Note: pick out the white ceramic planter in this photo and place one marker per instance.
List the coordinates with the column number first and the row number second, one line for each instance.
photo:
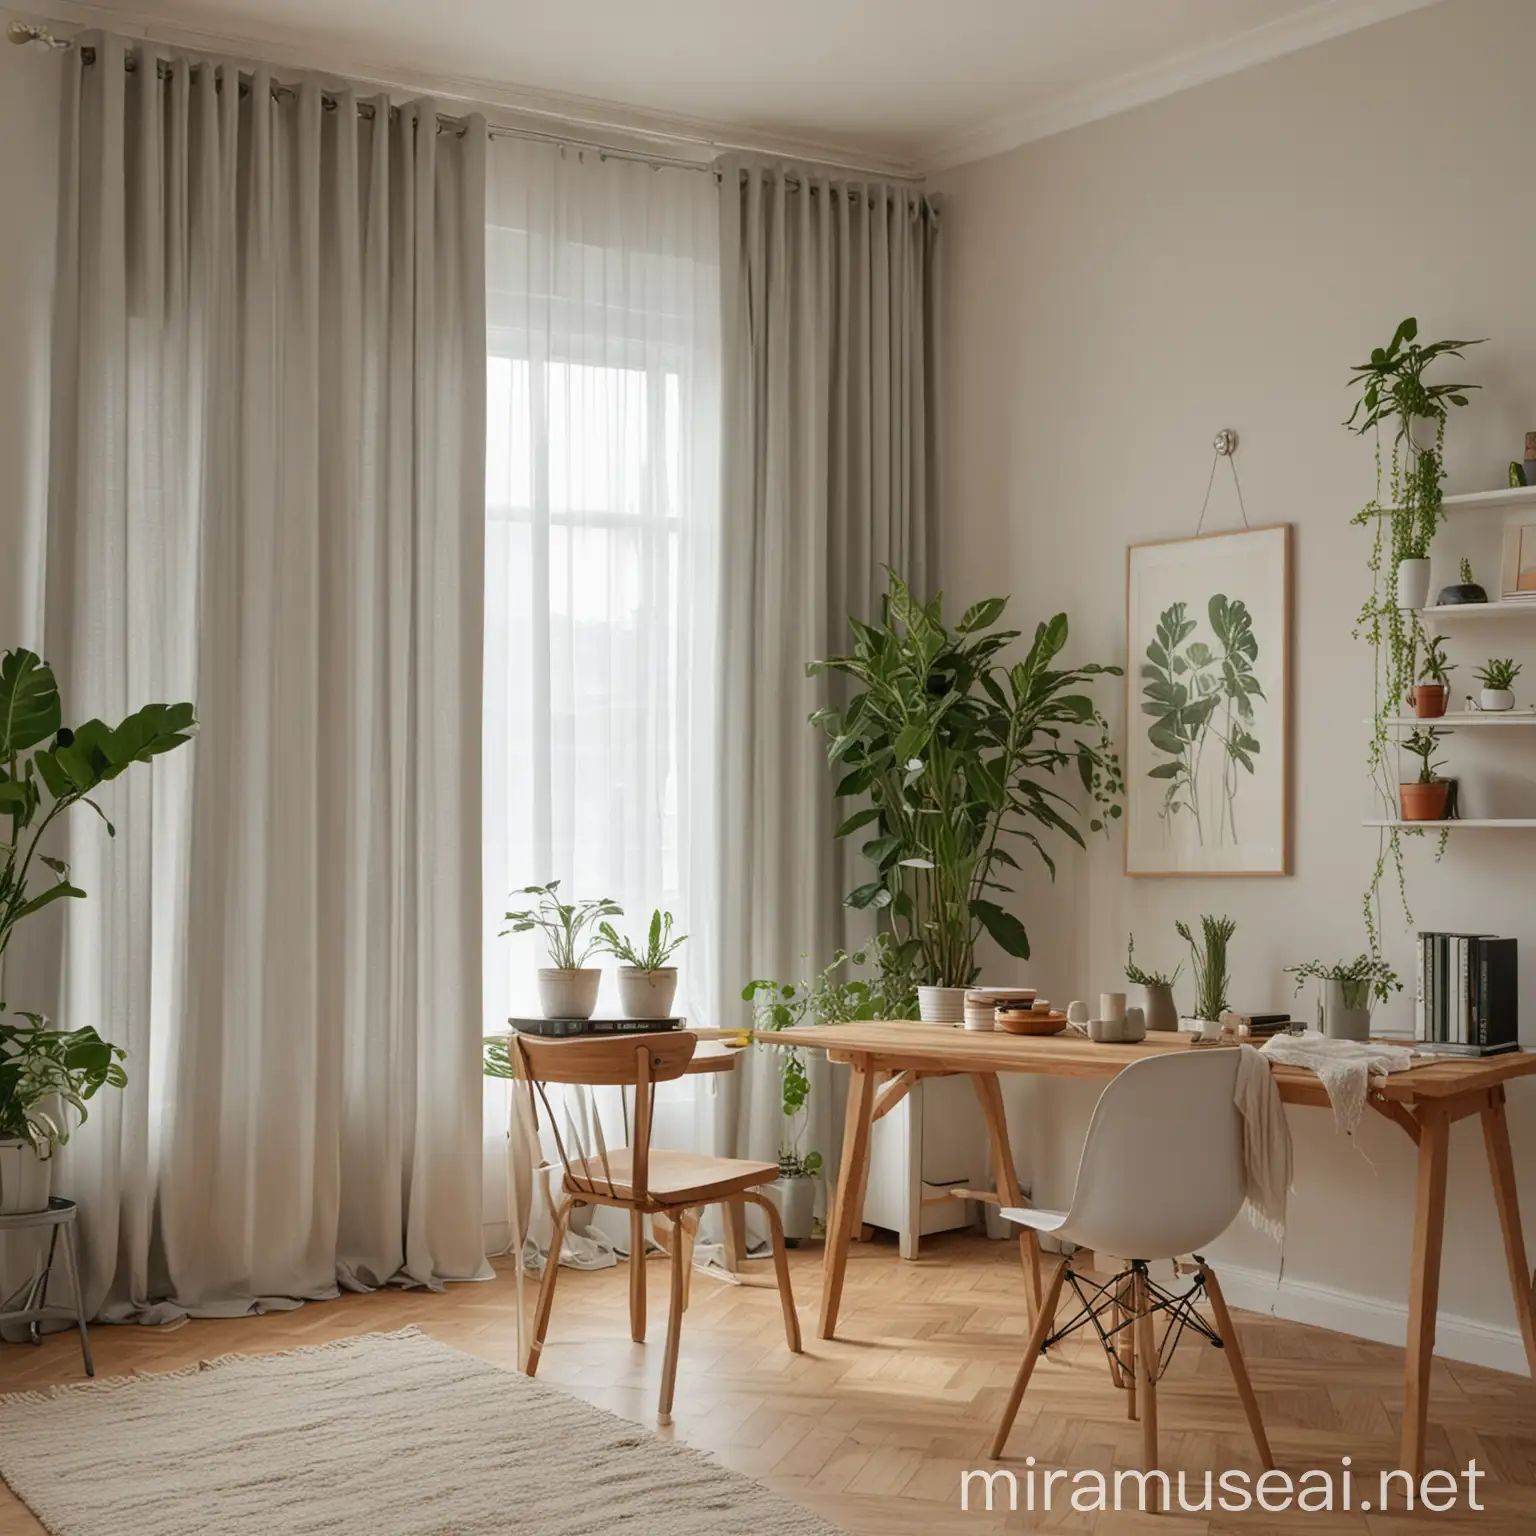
column 1495, row 701
column 26, row 1180
column 941, row 1005
column 647, row 994
column 796, row 1200
column 1412, row 583
column 1207, row 1029
column 569, row 994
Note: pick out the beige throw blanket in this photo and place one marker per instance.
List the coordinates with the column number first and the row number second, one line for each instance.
column 1266, row 1143
column 1345, row 1067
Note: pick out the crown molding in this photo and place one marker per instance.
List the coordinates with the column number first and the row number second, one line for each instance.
column 510, row 104
column 1317, row 24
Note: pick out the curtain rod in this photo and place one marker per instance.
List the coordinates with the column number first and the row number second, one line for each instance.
column 21, row 32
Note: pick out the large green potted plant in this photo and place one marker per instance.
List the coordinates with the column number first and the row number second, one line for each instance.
column 46, row 769
column 955, row 755
column 1405, row 514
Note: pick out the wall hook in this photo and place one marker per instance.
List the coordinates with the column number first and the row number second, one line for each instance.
column 1225, row 443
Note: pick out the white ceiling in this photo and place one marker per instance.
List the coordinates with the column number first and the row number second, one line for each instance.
column 901, row 84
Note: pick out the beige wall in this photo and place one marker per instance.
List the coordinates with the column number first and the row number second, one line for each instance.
column 1118, row 293
column 29, row 134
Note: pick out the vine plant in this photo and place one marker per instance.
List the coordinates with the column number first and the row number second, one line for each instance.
column 1406, row 513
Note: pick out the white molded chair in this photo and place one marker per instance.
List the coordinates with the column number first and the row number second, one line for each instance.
column 1162, row 1175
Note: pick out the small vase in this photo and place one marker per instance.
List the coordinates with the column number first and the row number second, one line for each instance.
column 647, row 994
column 1340, row 1021
column 569, row 994
column 26, row 1180
column 1159, row 1008
column 1429, row 700
column 1412, row 583
column 1425, row 802
column 1495, row 701
column 941, row 1005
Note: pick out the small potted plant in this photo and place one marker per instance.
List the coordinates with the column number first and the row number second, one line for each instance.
column 1497, row 679
column 1430, row 695
column 776, row 1006
column 1348, row 989
column 1428, row 797
column 1464, row 591
column 1156, row 990
column 1208, row 958
column 45, row 1074
column 567, row 986
column 647, row 984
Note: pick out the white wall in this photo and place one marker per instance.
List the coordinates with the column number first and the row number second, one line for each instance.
column 1115, row 295
column 29, row 137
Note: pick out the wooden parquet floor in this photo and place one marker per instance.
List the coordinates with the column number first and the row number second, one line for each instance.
column 873, row 1429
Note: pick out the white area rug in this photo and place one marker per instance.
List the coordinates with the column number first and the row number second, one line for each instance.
column 390, row 1434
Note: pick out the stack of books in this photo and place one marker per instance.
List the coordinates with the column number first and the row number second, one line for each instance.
column 1468, row 994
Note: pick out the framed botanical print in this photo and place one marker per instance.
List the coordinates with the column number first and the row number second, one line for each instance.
column 1207, row 690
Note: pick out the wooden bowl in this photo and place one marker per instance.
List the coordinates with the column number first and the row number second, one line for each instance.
column 1025, row 1021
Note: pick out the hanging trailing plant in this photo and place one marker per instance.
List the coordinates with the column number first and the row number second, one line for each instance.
column 1405, row 513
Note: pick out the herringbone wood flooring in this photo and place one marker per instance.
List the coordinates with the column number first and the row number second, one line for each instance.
column 874, row 1428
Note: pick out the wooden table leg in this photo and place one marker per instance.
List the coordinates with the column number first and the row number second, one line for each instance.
column 1501, row 1165
column 848, row 1198
column 990, row 1093
column 1424, row 1295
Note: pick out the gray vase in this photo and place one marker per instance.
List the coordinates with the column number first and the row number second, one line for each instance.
column 1340, row 1021
column 1159, row 1007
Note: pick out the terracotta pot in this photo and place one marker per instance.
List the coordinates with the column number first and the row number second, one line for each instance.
column 1425, row 802
column 1429, row 700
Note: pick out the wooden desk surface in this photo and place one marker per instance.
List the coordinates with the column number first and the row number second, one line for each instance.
column 907, row 1045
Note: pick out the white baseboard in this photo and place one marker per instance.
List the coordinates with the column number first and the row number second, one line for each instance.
column 1367, row 1317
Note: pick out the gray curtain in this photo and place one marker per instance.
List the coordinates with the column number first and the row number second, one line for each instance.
column 266, row 496
column 829, row 463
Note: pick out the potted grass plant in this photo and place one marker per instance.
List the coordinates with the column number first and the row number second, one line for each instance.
column 567, row 985
column 46, row 770
column 1497, row 680
column 1427, row 797
column 647, row 984
column 952, row 755
column 1156, row 990
column 1208, row 960
column 1349, row 987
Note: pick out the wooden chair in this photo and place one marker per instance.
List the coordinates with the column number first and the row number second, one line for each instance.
column 642, row 1180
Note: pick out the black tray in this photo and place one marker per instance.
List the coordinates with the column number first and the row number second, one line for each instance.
column 563, row 1028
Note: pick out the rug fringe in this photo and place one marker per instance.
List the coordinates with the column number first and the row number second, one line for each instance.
column 109, row 1384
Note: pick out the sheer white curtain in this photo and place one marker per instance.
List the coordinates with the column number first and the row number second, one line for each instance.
column 266, row 496
column 602, row 535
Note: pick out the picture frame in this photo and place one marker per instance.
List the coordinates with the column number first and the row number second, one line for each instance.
column 1518, row 570
column 1208, row 704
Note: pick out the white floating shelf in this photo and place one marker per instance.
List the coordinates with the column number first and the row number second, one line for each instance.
column 1455, row 720
column 1521, row 608
column 1472, row 501
column 1420, row 826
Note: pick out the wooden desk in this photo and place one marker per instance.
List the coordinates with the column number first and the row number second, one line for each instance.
column 1423, row 1102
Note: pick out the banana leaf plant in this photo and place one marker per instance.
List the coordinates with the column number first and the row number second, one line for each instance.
column 955, row 753
column 46, row 769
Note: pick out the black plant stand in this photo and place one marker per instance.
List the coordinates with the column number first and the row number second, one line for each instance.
column 29, row 1304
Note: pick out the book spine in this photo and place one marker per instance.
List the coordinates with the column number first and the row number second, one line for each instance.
column 1461, row 991
column 1484, row 995
column 1418, row 993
